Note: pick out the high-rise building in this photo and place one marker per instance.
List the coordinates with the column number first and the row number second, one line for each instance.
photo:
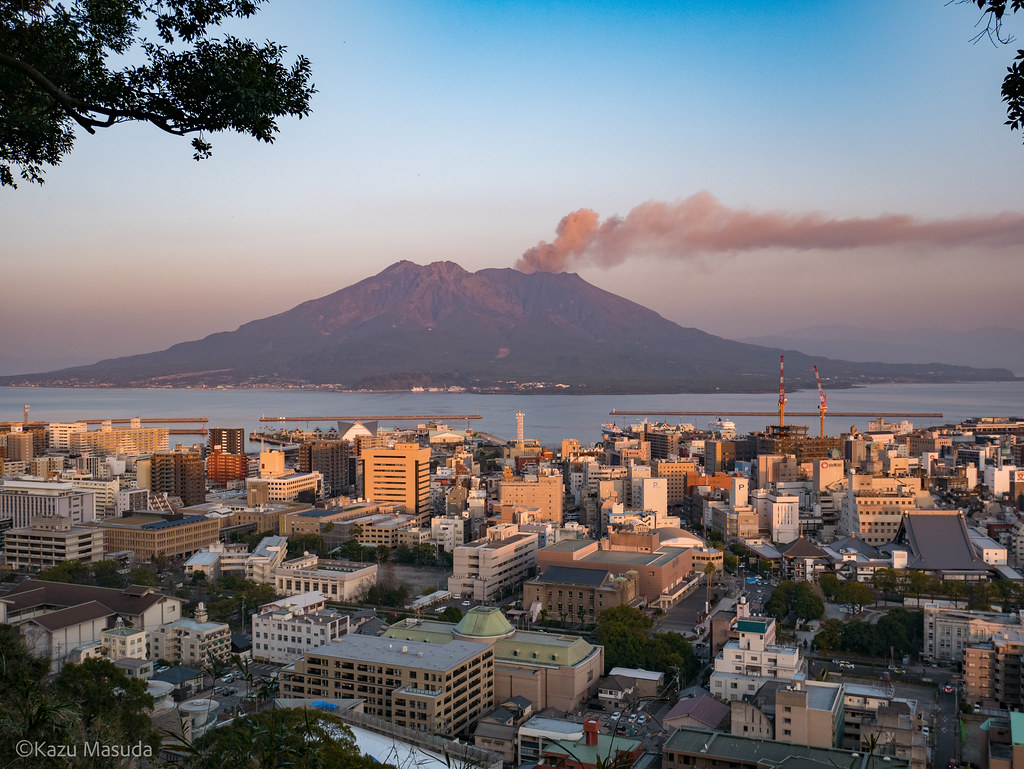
column 230, row 439
column 331, row 460
column 222, row 467
column 179, row 474
column 133, row 441
column 400, row 476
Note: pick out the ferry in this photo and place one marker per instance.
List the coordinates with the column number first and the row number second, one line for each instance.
column 723, row 426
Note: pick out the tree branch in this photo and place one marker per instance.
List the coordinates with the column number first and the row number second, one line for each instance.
column 78, row 109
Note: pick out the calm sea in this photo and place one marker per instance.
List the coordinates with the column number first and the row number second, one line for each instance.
column 549, row 418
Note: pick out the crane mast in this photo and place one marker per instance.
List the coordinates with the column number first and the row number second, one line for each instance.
column 822, row 401
column 782, row 394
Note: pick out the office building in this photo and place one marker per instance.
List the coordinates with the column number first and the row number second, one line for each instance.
column 149, row 536
column 399, row 476
column 22, row 500
column 501, row 561
column 50, row 540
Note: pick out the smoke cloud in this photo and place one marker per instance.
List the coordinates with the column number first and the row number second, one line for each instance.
column 700, row 224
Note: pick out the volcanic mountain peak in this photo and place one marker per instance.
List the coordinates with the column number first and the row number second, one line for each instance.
column 495, row 329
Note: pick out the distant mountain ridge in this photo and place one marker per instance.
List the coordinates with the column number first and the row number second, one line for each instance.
column 983, row 347
column 493, row 330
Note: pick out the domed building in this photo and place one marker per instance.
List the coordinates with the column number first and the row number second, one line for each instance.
column 548, row 669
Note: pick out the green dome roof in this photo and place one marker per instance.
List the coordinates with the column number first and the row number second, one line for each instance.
column 484, row 622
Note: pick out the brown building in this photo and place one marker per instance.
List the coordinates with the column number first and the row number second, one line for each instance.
column 793, row 439
column 223, row 467
column 663, row 573
column 179, row 473
column 230, row 439
column 992, row 671
column 331, row 460
column 579, row 594
column 155, row 535
column 544, row 493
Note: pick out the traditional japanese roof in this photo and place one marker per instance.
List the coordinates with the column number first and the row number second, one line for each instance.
column 939, row 540
column 801, row 548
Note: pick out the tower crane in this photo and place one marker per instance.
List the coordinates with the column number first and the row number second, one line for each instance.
column 782, row 394
column 822, row 401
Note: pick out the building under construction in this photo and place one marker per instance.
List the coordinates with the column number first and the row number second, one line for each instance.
column 793, row 439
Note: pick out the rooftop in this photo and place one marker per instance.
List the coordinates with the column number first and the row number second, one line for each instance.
column 566, row 575
column 416, row 654
column 721, row 746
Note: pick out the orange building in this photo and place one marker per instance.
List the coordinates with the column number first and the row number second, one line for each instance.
column 222, row 467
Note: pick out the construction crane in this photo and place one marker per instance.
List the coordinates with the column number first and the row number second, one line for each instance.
column 822, row 401
column 782, row 394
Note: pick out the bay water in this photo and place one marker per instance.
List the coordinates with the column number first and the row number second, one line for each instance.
column 548, row 418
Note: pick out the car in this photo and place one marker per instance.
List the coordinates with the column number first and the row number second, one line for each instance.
column 948, row 688
column 835, row 662
column 467, row 603
column 846, row 665
column 977, row 708
column 616, row 715
column 642, row 720
column 925, row 730
column 632, row 717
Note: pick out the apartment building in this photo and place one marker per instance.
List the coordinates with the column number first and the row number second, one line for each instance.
column 191, row 641
column 435, row 688
column 286, row 629
column 949, row 632
column 104, row 493
column 331, row 460
column 133, row 441
column 223, row 467
column 810, row 713
column 501, row 561
column 231, row 440
column 58, row 434
column 746, row 663
column 992, row 671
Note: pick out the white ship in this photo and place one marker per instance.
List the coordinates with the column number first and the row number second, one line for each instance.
column 723, row 426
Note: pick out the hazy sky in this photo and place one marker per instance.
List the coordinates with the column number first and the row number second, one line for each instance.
column 748, row 148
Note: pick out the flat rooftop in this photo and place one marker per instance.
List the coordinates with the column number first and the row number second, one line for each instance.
column 388, row 651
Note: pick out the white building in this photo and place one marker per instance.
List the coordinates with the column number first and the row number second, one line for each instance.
column 778, row 515
column 191, row 642
column 485, row 567
column 23, row 499
column 334, row 579
column 745, row 665
column 59, row 434
column 286, row 629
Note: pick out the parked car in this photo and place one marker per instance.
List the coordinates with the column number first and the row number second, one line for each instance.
column 925, row 730
column 616, row 715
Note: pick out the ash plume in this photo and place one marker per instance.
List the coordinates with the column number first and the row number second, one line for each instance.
column 700, row 224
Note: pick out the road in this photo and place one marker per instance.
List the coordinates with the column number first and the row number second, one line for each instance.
column 947, row 729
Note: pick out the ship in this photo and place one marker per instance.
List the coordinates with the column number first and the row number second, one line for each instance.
column 723, row 426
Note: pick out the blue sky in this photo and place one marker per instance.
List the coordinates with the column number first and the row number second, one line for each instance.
column 466, row 131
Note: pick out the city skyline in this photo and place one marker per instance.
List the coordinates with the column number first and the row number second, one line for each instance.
column 468, row 131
